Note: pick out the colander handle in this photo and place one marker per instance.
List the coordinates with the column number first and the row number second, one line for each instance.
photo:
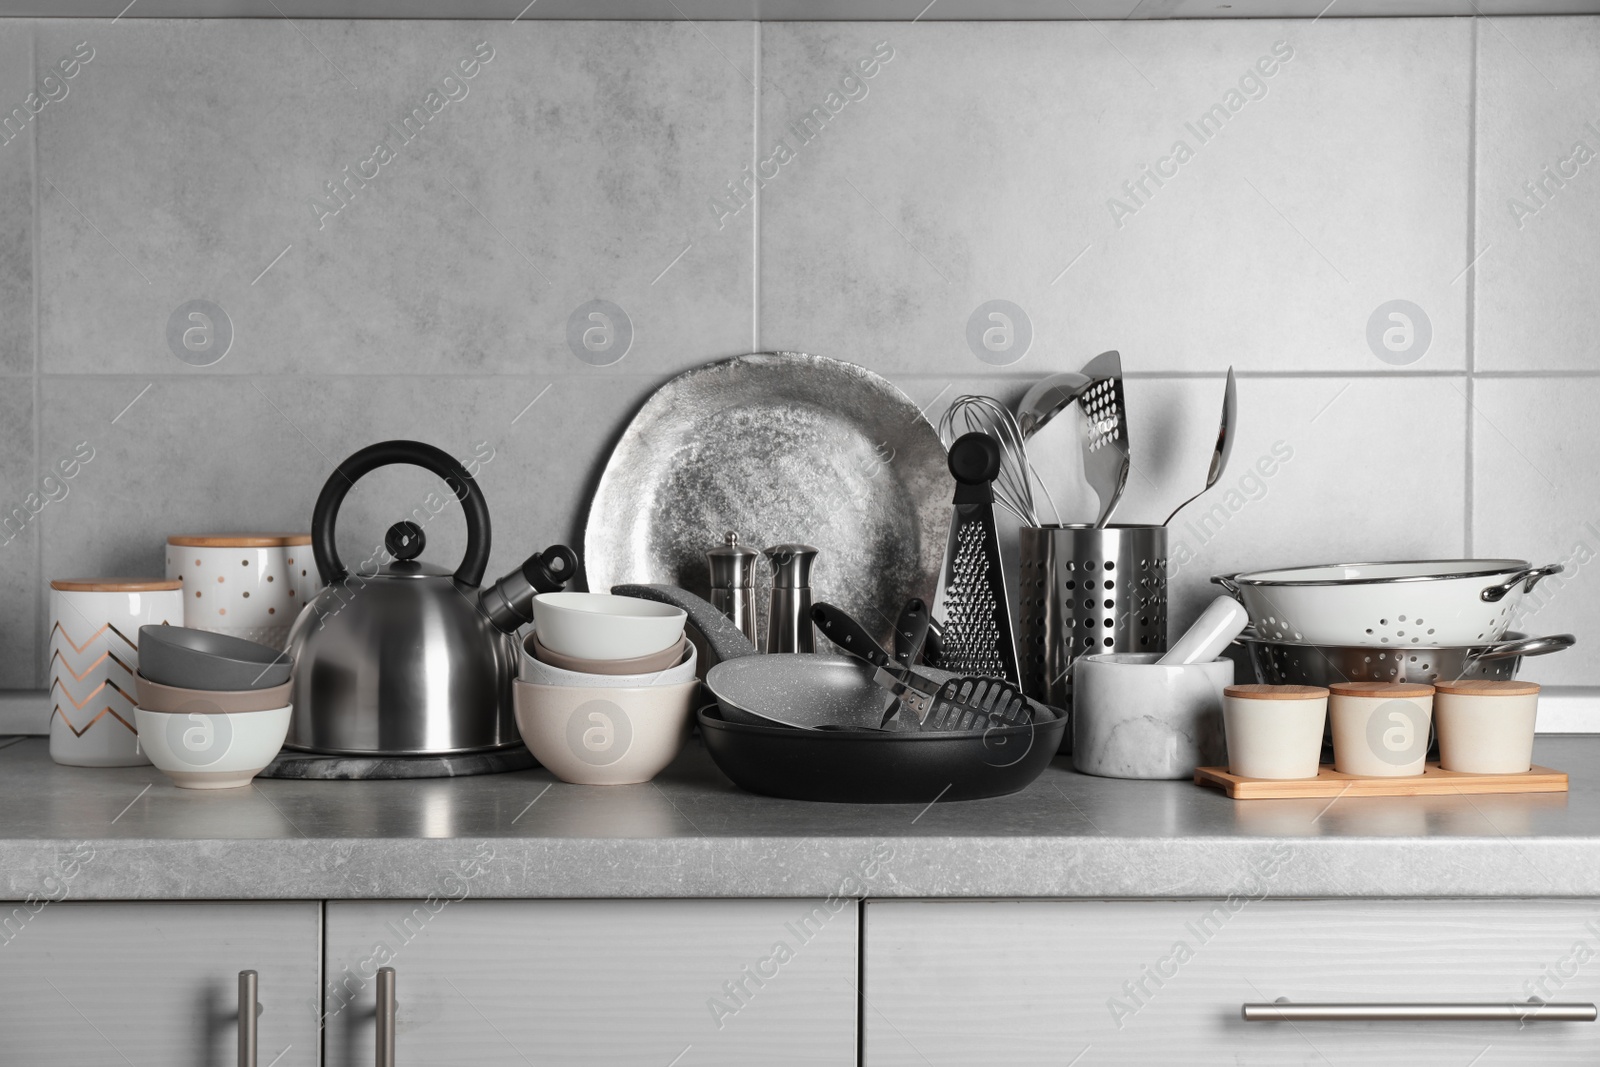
column 1227, row 582
column 1527, row 646
column 1495, row 593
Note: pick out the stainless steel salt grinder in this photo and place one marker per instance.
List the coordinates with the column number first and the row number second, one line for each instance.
column 789, row 615
column 732, row 588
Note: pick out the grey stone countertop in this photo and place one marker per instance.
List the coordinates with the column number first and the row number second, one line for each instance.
column 129, row 834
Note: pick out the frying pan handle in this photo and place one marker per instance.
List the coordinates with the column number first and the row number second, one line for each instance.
column 1227, row 582
column 723, row 638
column 1495, row 593
column 849, row 635
column 1528, row 646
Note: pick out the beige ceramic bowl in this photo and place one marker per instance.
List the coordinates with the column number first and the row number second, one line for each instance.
column 609, row 735
column 203, row 751
column 639, row 665
column 533, row 669
column 153, row 696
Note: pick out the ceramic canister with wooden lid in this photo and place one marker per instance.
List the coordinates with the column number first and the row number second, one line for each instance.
column 1274, row 731
column 94, row 635
column 244, row 585
column 1380, row 729
column 1485, row 727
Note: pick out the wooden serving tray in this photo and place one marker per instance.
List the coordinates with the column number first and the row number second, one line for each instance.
column 1431, row 782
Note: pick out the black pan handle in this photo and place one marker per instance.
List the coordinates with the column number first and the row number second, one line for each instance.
column 849, row 635
column 325, row 517
column 911, row 632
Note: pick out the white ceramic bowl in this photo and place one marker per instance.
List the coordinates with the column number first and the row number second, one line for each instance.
column 536, row 671
column 602, row 626
column 223, row 751
column 605, row 735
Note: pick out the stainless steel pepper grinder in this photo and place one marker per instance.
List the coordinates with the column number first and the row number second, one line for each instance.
column 732, row 588
column 789, row 614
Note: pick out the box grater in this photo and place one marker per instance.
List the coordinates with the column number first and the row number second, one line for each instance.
column 977, row 637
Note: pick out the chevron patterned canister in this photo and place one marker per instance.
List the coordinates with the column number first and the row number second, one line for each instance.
column 94, row 630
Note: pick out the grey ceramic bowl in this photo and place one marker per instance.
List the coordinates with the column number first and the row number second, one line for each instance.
column 198, row 659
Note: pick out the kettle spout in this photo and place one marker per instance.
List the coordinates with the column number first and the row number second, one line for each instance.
column 509, row 602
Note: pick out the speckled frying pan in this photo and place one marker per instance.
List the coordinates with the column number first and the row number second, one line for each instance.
column 848, row 765
column 805, row 690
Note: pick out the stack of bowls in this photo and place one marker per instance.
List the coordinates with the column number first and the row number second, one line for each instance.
column 605, row 687
column 213, row 710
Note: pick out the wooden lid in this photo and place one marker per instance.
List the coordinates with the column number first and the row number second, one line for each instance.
column 1374, row 690
column 1487, row 688
column 115, row 585
column 1275, row 692
column 262, row 540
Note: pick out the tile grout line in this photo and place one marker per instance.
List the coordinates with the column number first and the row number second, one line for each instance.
column 1467, row 495
column 755, row 214
column 40, row 605
column 1575, row 373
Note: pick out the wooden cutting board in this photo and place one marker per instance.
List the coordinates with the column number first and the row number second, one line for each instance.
column 1432, row 782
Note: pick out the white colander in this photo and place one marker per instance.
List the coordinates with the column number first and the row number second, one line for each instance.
column 1425, row 603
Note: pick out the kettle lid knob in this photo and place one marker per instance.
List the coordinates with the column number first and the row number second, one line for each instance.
column 405, row 540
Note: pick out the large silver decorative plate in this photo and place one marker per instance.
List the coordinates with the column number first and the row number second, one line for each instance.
column 779, row 447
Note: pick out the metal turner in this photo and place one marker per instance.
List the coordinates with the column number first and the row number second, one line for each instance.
column 1105, row 440
column 963, row 703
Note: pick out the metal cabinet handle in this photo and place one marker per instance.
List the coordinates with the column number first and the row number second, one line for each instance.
column 249, row 1011
column 386, row 1007
column 1284, row 1010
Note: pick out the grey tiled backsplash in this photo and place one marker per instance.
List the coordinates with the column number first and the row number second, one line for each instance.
column 399, row 221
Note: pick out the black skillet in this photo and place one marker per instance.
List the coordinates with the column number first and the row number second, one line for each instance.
column 856, row 766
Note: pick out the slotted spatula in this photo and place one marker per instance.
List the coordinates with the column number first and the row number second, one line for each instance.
column 1105, row 441
column 961, row 704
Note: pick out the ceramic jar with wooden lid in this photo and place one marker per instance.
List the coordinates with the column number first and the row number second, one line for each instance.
column 1485, row 727
column 94, row 653
column 1380, row 729
column 1274, row 731
column 244, row 585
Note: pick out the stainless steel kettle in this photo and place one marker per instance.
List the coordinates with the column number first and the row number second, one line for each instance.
column 411, row 659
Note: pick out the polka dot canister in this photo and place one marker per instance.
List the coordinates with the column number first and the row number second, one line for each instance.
column 246, row 585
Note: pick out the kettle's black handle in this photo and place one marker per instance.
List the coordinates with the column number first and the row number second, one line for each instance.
column 383, row 454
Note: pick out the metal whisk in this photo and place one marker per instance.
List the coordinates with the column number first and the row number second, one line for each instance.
column 1013, row 488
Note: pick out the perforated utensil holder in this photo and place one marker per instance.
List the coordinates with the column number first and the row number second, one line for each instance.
column 1086, row 591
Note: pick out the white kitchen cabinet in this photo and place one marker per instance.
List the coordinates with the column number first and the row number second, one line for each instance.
column 660, row 982
column 1148, row 982
column 87, row 985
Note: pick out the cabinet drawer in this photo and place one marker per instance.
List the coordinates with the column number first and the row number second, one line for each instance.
column 1144, row 982
column 596, row 982
column 86, row 985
